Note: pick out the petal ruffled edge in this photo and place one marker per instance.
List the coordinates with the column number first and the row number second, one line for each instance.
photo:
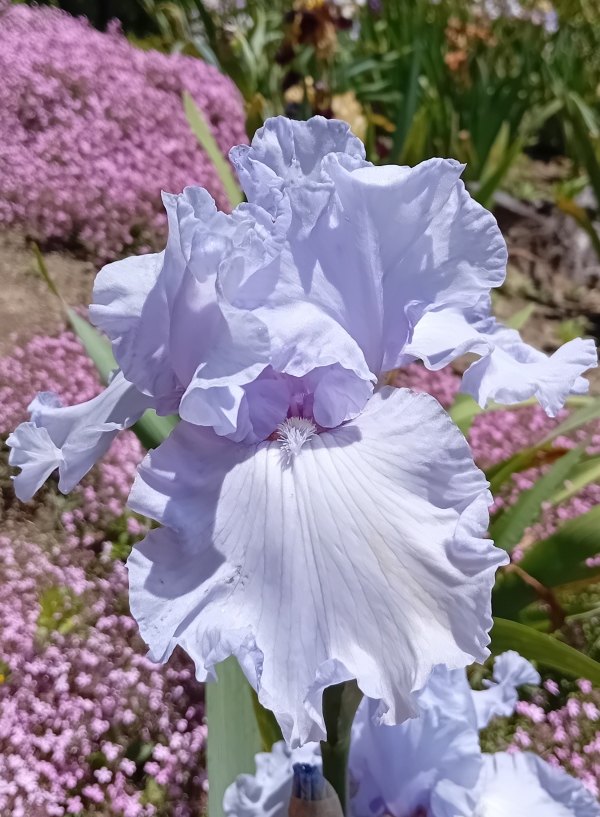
column 509, row 370
column 71, row 438
column 511, row 670
column 285, row 152
column 179, row 598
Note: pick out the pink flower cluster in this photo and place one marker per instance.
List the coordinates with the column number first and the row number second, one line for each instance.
column 60, row 365
column 85, row 720
column 93, row 128
column 87, row 723
column 567, row 735
column 495, row 436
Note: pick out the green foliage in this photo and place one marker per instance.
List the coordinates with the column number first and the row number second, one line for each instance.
column 463, row 411
column 270, row 731
column 203, row 134
column 537, row 454
column 140, row 751
column 434, row 79
column 544, row 649
column 60, row 610
column 234, row 737
column 571, row 328
column 509, row 524
column 520, row 318
column 150, row 429
column 553, row 562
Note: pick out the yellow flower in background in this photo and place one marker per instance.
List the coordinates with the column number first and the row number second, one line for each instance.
column 347, row 108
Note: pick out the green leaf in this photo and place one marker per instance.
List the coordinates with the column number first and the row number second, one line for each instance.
column 98, row 347
column 501, row 472
column 340, row 703
column 44, row 270
column 233, row 735
column 203, row 134
column 270, row 731
column 140, row 751
column 547, row 650
column 497, row 152
column 410, row 101
column 508, row 527
column 463, row 411
column 520, row 318
column 586, row 472
column 558, row 560
column 584, row 123
column 151, row 429
column 59, row 608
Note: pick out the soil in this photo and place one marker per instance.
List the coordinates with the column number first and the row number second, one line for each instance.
column 27, row 307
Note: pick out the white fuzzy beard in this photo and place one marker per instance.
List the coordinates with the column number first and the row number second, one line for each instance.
column 292, row 434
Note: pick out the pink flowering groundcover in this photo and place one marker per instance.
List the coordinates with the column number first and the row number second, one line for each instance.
column 87, row 723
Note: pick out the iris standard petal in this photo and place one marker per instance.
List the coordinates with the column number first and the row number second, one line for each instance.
column 516, row 785
column 134, row 298
column 268, row 792
column 371, row 537
column 418, row 234
column 284, row 153
column 173, row 327
column 380, row 247
column 509, row 370
column 71, row 438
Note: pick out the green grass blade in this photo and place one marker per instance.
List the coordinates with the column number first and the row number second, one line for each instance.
column 536, row 646
column 203, row 134
column 150, row 429
column 586, row 472
column 508, row 527
column 98, row 347
column 233, row 735
column 410, row 100
column 558, row 560
column 501, row 472
column 43, row 269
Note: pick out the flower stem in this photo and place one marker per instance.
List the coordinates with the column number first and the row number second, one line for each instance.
column 340, row 703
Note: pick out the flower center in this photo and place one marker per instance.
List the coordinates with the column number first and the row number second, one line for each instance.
column 293, row 433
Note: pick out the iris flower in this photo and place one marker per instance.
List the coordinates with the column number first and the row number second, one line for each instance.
column 316, row 524
column 431, row 765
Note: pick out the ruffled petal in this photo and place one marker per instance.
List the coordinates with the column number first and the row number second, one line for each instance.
column 286, row 153
column 36, row 455
column 509, row 370
column 134, row 299
column 395, row 768
column 329, row 266
column 424, row 240
column 519, row 785
column 371, row 537
column 71, row 438
column 170, row 318
column 515, row 372
column 510, row 671
column 268, row 792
